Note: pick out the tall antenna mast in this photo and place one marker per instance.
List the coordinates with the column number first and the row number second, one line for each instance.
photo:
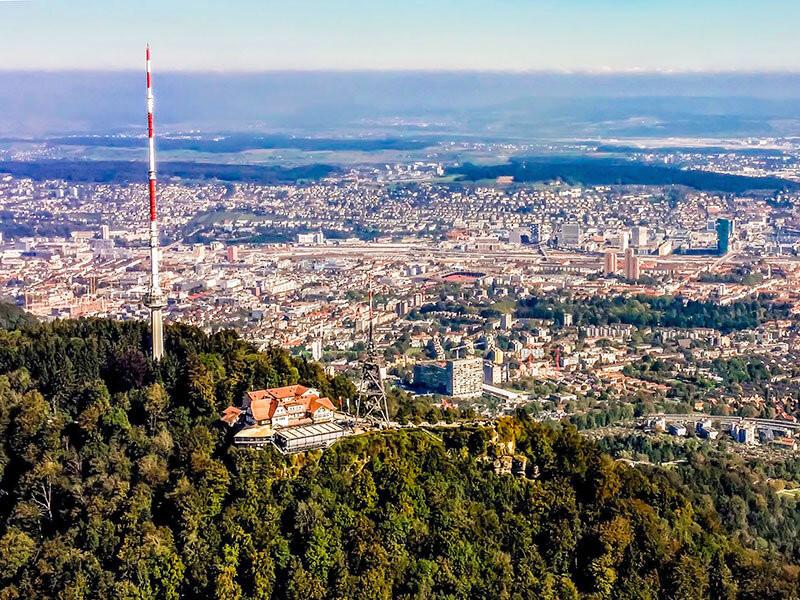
column 372, row 387
column 154, row 299
column 371, row 339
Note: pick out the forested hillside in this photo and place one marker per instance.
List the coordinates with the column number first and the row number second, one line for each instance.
column 117, row 482
column 656, row 311
column 12, row 316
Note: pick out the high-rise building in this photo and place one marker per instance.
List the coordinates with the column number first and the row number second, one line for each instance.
column 432, row 376
column 536, row 235
column 624, row 240
column 610, row 263
column 465, row 377
column 401, row 308
column 570, row 235
column 632, row 265
column 232, row 253
column 639, row 237
column 461, row 377
column 104, row 232
column 724, row 234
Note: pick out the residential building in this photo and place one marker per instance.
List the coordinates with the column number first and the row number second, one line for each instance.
column 610, row 263
column 632, row 265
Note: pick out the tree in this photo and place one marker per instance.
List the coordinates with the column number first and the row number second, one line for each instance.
column 226, row 586
column 200, row 388
column 721, row 583
column 143, row 496
column 17, row 548
column 155, row 404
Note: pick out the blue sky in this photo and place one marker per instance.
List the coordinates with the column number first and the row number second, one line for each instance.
column 252, row 35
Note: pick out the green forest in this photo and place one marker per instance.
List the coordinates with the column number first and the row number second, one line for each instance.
column 591, row 170
column 655, row 311
column 117, row 481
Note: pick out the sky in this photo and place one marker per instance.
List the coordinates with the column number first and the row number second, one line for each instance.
column 514, row 35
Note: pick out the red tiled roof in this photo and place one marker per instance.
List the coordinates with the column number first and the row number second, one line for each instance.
column 230, row 415
column 287, row 391
column 458, row 278
column 257, row 394
column 263, row 408
column 320, row 403
column 264, row 403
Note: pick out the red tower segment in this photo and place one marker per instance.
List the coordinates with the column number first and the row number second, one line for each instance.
column 151, row 139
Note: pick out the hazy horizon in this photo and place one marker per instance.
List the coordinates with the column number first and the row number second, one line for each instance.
column 544, row 104
column 368, row 68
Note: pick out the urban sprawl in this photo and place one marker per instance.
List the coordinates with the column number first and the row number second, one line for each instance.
column 666, row 309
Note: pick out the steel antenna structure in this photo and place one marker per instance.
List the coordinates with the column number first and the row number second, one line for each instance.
column 372, row 401
column 154, row 298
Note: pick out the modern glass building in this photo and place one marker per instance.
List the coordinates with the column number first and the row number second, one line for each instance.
column 724, row 236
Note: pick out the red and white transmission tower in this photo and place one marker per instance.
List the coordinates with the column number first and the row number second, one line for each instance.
column 154, row 299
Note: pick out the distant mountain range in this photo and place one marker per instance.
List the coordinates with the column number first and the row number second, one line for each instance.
column 485, row 105
column 126, row 171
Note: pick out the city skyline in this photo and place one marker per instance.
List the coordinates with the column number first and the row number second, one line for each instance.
column 597, row 36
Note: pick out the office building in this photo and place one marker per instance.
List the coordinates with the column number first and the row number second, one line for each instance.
column 624, row 240
column 639, row 237
column 569, row 236
column 724, row 236
column 536, row 235
column 311, row 239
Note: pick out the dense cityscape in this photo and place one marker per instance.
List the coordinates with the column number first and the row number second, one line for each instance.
column 488, row 295
column 399, row 301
